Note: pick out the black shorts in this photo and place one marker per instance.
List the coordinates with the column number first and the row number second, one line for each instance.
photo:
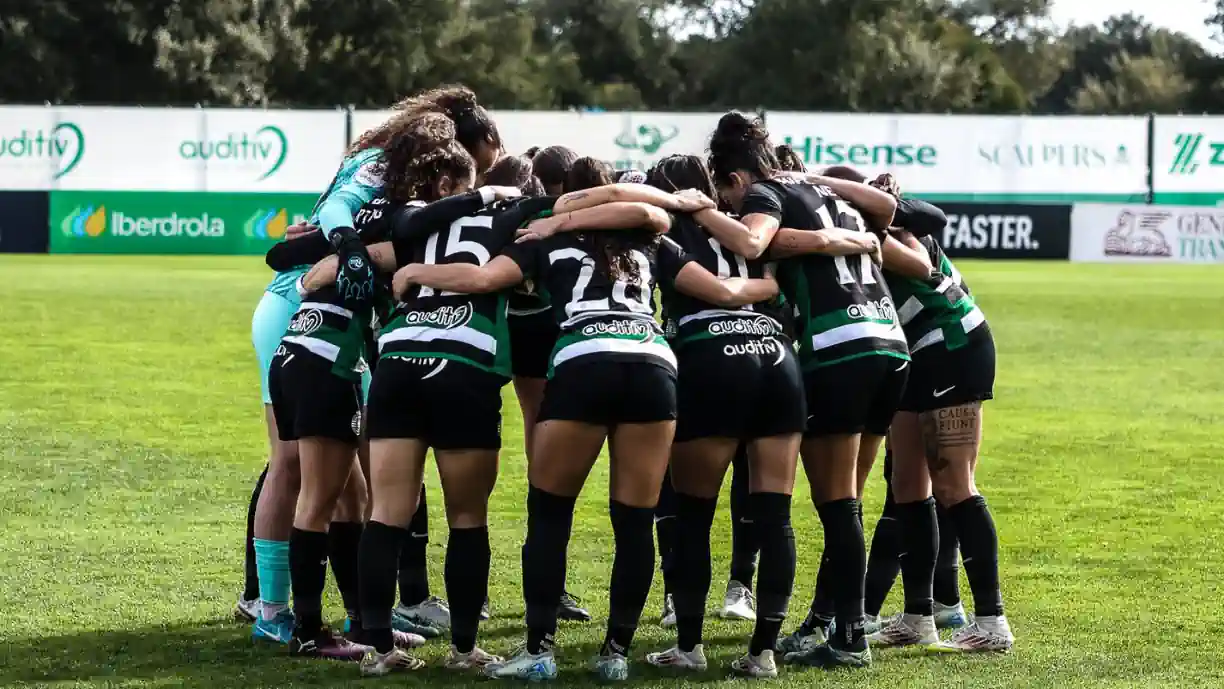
column 446, row 404
column 940, row 378
column 856, row 396
column 606, row 393
column 309, row 401
column 532, row 339
column 739, row 387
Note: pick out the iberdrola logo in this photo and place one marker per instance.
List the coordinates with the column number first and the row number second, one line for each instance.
column 85, row 221
column 263, row 151
column 267, row 223
column 646, row 138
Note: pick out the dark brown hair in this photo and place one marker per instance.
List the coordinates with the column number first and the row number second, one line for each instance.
column 473, row 124
column 741, row 143
column 552, row 165
column 677, row 172
column 514, row 171
column 609, row 249
column 418, row 156
column 788, row 159
column 586, row 173
column 845, row 172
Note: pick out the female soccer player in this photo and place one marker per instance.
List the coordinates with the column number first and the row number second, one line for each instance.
column 378, row 154
column 851, row 348
column 612, row 377
column 738, row 380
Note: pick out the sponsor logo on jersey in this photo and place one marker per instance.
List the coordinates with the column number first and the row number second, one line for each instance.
column 64, row 144
column 442, row 317
column 631, row 327
column 267, row 223
column 758, row 347
column 881, row 310
column 1138, row 234
column 743, row 326
column 262, row 152
column 306, row 322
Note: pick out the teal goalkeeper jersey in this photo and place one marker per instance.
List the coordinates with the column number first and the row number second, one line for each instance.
column 358, row 181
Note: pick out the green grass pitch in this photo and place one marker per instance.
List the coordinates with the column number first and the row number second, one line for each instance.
column 131, row 434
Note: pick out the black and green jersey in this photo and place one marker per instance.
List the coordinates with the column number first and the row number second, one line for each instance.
column 323, row 326
column 598, row 315
column 845, row 310
column 938, row 308
column 686, row 318
column 469, row 328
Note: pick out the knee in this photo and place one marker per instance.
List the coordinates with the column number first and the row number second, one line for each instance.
column 770, row 510
column 351, row 507
column 952, row 490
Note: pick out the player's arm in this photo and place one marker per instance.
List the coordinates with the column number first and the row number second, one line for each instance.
column 411, row 223
column 691, row 278
column 751, row 235
column 834, row 241
column 905, row 255
column 616, row 215
column 919, row 218
column 876, row 205
column 632, row 193
column 302, row 250
column 325, row 271
column 498, row 274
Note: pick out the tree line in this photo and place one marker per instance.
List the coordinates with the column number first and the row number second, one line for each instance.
column 959, row 56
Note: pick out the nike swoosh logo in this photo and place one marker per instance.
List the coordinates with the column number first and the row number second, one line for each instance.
column 941, row 393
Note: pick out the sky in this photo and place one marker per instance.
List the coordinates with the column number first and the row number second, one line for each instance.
column 1181, row 15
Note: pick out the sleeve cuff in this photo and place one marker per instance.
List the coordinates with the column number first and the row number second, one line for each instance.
column 301, row 289
column 487, row 195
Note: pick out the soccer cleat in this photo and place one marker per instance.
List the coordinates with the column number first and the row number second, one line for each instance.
column 906, row 630
column 570, row 608
column 685, row 660
column 328, row 646
column 476, row 659
column 613, row 667
column 484, row 610
column 402, row 639
column 802, row 640
column 402, row 624
column 246, row 610
column 669, row 612
column 756, row 667
column 738, row 603
column 375, row 664
column 950, row 616
column 828, row 656
column 431, row 612
column 874, row 623
column 278, row 630
column 984, row 635
column 534, row 667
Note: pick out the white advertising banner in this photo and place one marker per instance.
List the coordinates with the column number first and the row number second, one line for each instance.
column 1147, row 234
column 625, row 139
column 167, row 149
column 1188, row 154
column 1054, row 157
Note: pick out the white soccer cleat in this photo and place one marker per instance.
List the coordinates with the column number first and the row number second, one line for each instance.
column 756, row 667
column 738, row 603
column 375, row 664
column 906, row 630
column 476, row 659
column 613, row 667
column 533, row 667
column 984, row 635
column 694, row 660
column 874, row 623
column 431, row 612
column 669, row 612
column 950, row 616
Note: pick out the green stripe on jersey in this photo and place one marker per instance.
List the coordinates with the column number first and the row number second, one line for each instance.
column 938, row 308
column 866, row 329
column 614, row 337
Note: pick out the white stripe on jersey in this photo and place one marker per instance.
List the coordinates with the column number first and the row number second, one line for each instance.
column 330, row 308
column 857, row 331
column 418, row 333
column 314, row 345
column 606, row 345
column 723, row 313
column 971, row 321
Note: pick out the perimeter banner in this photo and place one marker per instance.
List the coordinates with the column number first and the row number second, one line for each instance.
column 1147, row 234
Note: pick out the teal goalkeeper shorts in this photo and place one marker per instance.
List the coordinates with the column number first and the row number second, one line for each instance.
column 268, row 326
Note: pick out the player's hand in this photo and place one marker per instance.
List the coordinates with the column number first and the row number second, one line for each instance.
column 540, row 228
column 887, row 183
column 692, row 200
column 298, row 229
column 503, row 193
column 877, row 249
column 403, row 280
column 355, row 279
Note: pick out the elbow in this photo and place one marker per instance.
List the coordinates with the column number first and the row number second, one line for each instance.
column 725, row 296
column 752, row 247
column 655, row 218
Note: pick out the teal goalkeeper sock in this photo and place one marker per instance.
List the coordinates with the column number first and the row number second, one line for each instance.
column 272, row 563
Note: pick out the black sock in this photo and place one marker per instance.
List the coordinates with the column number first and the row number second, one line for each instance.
column 947, row 563
column 250, row 585
column 413, row 573
column 467, row 583
column 695, row 518
column 307, row 576
column 377, row 564
column 920, row 541
column 979, row 543
column 847, row 565
column 822, row 610
column 744, row 544
column 771, row 519
column 632, row 572
column 883, row 562
column 343, row 546
column 550, row 519
column 665, row 525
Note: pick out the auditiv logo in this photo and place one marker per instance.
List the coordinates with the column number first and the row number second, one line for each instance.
column 62, row 146
column 264, row 151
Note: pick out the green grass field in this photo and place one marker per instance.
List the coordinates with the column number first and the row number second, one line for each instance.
column 131, row 434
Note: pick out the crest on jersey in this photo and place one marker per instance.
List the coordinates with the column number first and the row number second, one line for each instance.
column 1138, row 234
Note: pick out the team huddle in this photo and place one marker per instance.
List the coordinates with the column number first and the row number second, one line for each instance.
column 803, row 317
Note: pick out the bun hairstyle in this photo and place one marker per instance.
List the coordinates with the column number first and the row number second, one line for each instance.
column 845, row 172
column 531, row 152
column 586, row 173
column 789, row 160
column 552, row 165
column 473, row 124
column 631, row 176
column 514, row 171
column 740, row 142
column 677, row 172
column 418, row 155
